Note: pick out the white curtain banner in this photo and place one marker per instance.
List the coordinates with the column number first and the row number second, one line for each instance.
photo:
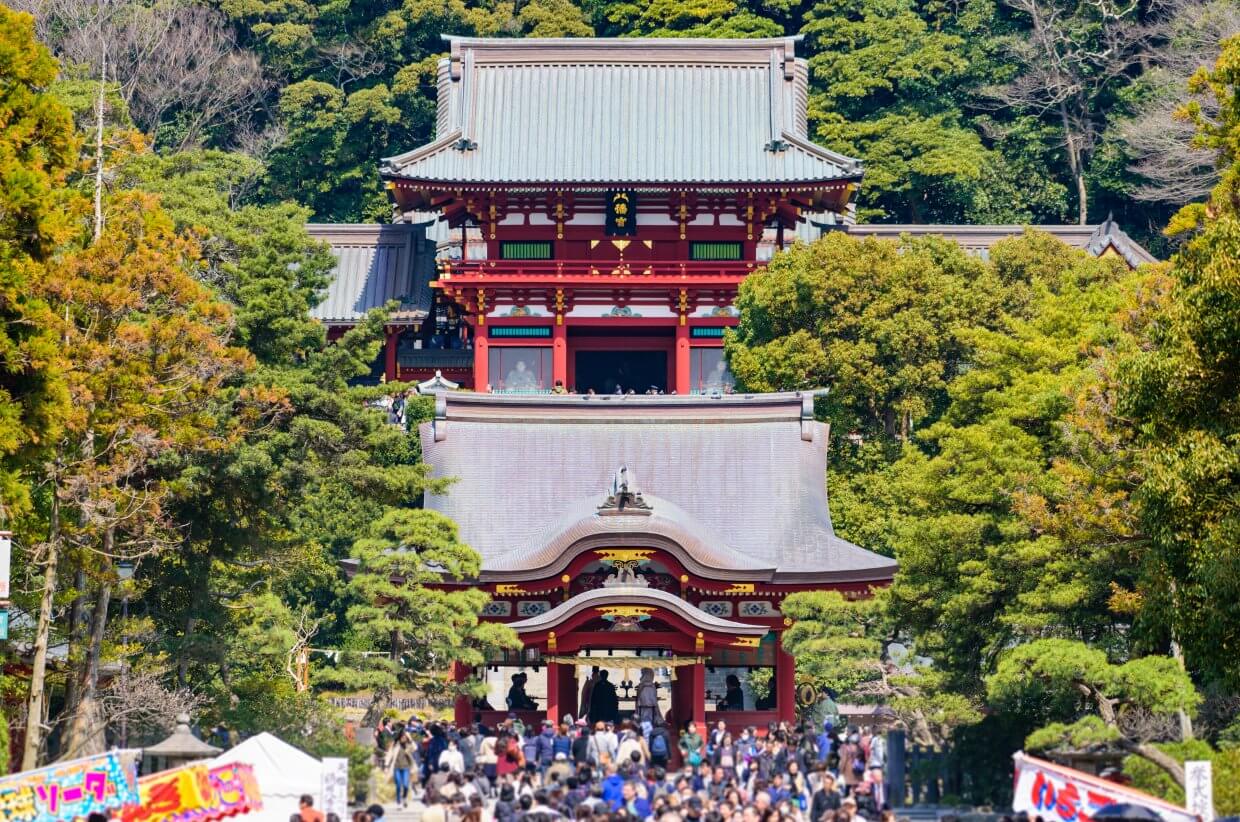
column 1061, row 794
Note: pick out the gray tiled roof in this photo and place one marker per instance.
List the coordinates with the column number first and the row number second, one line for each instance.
column 375, row 264
column 977, row 239
column 622, row 111
column 738, row 482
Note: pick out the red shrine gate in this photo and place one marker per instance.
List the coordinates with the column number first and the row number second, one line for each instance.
column 603, row 242
column 685, row 557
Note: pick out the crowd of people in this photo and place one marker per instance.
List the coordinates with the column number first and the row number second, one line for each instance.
column 630, row 770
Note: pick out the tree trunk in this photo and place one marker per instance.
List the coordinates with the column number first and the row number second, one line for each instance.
column 1177, row 653
column 1076, row 163
column 103, row 79
column 1158, row 758
column 38, row 672
column 77, row 618
column 1106, row 710
column 379, row 704
column 87, row 732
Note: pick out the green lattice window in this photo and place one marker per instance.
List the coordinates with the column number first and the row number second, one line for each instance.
column 525, row 250
column 714, row 251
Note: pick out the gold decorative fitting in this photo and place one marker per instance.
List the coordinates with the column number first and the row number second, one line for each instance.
column 551, row 641
column 684, row 578
column 699, row 644
column 739, row 588
column 508, row 589
column 566, row 579
column 622, row 611
column 746, row 642
column 623, row 554
column 787, row 622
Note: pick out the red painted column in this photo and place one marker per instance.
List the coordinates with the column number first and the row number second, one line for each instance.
column 462, row 710
column 390, row 372
column 682, row 357
column 699, row 696
column 481, row 363
column 559, row 353
column 785, row 683
column 553, row 691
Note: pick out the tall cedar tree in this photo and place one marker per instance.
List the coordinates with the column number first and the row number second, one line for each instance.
column 38, row 149
column 145, row 347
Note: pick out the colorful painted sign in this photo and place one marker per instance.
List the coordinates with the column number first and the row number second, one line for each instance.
column 68, row 790
column 195, row 793
column 1061, row 794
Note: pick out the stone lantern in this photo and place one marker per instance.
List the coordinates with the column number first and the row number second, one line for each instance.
column 178, row 749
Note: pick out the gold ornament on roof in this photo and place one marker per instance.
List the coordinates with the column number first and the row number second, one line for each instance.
column 624, row 554
column 626, row 611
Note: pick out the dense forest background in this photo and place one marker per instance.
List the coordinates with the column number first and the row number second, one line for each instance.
column 1047, row 442
column 971, row 111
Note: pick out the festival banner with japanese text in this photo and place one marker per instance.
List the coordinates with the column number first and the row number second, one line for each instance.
column 1061, row 794
column 195, row 793
column 69, row 790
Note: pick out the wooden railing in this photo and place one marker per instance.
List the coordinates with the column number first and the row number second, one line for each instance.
column 555, row 269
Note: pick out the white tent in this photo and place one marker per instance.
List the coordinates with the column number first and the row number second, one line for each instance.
column 283, row 772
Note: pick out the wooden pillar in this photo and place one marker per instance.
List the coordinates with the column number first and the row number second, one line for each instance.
column 390, row 369
column 559, row 353
column 699, row 696
column 785, row 684
column 553, row 692
column 463, row 710
column 482, row 378
column 682, row 385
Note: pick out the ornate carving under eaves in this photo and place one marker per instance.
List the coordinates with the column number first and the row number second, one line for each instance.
column 625, row 497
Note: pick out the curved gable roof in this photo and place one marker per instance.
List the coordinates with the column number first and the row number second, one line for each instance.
column 745, row 475
column 633, row 595
column 701, row 547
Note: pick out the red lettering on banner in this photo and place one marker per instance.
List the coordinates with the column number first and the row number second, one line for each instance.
column 1043, row 794
column 1066, row 807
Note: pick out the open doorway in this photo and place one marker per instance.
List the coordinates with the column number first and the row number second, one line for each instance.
column 607, row 371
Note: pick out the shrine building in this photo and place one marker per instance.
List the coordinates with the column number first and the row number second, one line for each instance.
column 568, row 251
column 678, row 563
column 589, row 207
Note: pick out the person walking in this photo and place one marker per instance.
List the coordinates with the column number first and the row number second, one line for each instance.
column 402, row 764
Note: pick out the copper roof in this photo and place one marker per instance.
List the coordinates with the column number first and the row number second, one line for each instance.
column 598, row 110
column 376, row 264
column 736, row 482
column 977, row 239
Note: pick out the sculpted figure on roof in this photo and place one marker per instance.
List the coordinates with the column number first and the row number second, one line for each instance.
column 624, row 493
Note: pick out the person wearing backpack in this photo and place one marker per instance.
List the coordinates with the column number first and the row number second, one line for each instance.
column 660, row 745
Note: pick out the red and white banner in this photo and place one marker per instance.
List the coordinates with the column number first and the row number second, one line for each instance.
column 1060, row 794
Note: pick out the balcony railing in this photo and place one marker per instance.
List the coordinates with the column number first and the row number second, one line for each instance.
column 562, row 269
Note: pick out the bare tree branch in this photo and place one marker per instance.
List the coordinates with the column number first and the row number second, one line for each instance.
column 175, row 62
